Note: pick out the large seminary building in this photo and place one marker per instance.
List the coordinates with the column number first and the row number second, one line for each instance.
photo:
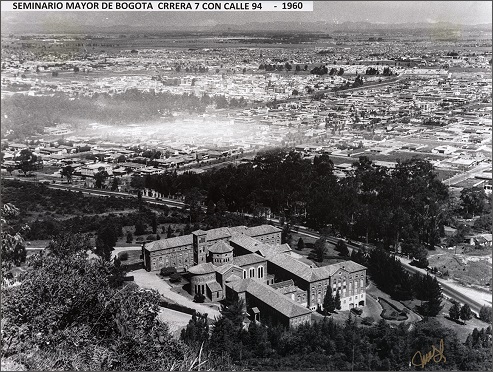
column 251, row 263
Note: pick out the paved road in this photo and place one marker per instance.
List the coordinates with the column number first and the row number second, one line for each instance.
column 145, row 279
column 474, row 298
column 468, row 174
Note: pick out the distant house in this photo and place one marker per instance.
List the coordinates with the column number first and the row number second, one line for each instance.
column 89, row 170
column 482, row 240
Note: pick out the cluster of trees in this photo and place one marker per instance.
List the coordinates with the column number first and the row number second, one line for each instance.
column 320, row 70
column 374, row 71
column 68, row 312
column 389, row 275
column 463, row 312
column 27, row 161
column 201, row 69
column 386, row 206
column 473, row 202
column 323, row 70
column 279, row 67
column 327, row 345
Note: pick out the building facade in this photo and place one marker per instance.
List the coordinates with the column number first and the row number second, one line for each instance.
column 250, row 263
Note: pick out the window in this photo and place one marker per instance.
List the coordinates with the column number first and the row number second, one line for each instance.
column 260, row 271
column 244, row 274
column 252, row 272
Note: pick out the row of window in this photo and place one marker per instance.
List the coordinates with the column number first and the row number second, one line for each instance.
column 251, row 272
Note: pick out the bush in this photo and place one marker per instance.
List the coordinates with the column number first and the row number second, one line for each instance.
column 167, row 271
column 485, row 314
column 199, row 298
column 175, row 278
column 123, row 256
column 367, row 320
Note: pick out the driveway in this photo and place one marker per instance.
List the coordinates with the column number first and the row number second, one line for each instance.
column 372, row 308
column 175, row 320
column 145, row 279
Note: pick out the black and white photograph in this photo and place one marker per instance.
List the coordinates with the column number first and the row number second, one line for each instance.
column 246, row 185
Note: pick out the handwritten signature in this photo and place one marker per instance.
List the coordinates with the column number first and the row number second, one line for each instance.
column 436, row 354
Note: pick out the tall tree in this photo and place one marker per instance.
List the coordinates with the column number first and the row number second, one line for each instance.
column 196, row 334
column 301, row 244
column 67, row 244
column 105, row 241
column 67, row 172
column 13, row 247
column 473, row 200
column 465, row 312
column 100, row 176
column 27, row 160
column 454, row 311
column 337, row 300
column 319, row 250
column 485, row 314
column 329, row 301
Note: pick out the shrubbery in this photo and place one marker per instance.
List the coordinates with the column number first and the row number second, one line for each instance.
column 123, row 256
column 167, row 271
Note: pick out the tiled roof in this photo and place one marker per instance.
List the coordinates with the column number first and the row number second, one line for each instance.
column 169, row 243
column 329, row 270
column 246, row 242
column 222, row 232
column 261, row 230
column 214, row 287
column 304, row 271
column 232, row 278
column 292, row 265
column 220, row 247
column 205, row 268
column 256, row 246
column 238, row 229
column 270, row 297
column 248, row 259
column 223, row 268
column 285, row 283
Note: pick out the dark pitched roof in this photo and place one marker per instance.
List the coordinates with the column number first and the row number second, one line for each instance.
column 261, row 230
column 205, row 268
column 220, row 233
column 269, row 296
column 220, row 247
column 178, row 241
column 214, row 287
column 248, row 259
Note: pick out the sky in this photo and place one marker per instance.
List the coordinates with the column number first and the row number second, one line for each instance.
column 461, row 12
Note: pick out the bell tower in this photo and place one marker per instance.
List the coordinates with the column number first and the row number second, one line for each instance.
column 199, row 249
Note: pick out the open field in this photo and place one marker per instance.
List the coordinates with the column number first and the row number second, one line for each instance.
column 472, row 270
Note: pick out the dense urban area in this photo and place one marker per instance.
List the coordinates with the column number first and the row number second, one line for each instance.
column 260, row 201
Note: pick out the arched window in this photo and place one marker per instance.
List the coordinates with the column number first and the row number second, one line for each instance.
column 244, row 274
column 260, row 271
column 252, row 272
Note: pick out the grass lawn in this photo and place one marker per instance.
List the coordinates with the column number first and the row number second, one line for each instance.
column 462, row 330
column 132, row 255
column 37, row 243
column 332, row 255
